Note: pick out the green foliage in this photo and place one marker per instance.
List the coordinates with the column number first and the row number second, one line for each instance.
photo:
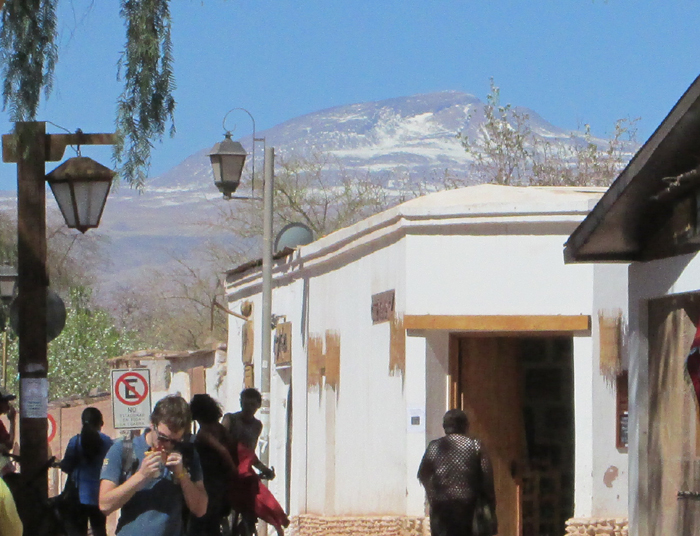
column 146, row 104
column 506, row 151
column 78, row 356
column 28, row 47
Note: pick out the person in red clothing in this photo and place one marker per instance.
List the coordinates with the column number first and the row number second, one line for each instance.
column 7, row 438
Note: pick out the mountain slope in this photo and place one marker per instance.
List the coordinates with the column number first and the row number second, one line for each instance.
column 414, row 136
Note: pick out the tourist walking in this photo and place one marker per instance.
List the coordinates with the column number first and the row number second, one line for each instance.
column 83, row 463
column 245, row 428
column 155, row 478
column 458, row 479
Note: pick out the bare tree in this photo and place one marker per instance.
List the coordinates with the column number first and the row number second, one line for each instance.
column 505, row 150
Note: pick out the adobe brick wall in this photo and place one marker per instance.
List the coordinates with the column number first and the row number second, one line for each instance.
column 596, row 526
column 311, row 525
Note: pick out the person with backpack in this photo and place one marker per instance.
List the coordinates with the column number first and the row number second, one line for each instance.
column 83, row 462
column 154, row 478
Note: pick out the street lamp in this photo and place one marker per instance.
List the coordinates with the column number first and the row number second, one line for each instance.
column 81, row 186
column 30, row 147
column 227, row 160
column 235, row 171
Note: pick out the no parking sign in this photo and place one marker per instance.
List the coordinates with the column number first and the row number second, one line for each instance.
column 131, row 398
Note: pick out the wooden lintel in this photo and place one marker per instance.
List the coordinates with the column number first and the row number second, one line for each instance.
column 55, row 144
column 500, row 323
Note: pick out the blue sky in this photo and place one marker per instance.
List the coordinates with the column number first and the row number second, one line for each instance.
column 572, row 61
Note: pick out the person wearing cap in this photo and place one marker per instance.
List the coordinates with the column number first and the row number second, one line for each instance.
column 7, row 438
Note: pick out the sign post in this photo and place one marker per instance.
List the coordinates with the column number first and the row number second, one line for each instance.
column 131, row 398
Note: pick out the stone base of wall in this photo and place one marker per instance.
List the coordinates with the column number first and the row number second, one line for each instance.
column 311, row 525
column 596, row 526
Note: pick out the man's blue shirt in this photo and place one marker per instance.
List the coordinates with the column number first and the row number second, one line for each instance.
column 157, row 509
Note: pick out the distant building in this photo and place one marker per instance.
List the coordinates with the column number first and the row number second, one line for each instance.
column 457, row 299
column 650, row 218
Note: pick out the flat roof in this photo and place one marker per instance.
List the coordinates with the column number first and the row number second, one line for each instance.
column 471, row 204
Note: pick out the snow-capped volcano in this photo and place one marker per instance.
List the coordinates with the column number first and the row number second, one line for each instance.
column 415, row 135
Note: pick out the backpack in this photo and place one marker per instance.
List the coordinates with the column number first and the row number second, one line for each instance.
column 129, row 462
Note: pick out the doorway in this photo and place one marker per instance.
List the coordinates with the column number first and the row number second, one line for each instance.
column 518, row 394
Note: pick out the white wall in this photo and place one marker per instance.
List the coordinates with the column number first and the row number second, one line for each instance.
column 354, row 452
column 370, row 444
column 610, row 466
column 494, row 275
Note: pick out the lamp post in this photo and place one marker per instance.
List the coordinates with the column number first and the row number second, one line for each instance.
column 30, row 148
column 228, row 158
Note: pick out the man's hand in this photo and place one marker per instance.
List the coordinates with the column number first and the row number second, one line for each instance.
column 174, row 463
column 150, row 467
column 11, row 413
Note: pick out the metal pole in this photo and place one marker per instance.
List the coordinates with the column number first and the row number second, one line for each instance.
column 268, row 204
column 33, row 283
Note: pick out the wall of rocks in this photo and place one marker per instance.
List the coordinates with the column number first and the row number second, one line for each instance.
column 596, row 527
column 311, row 525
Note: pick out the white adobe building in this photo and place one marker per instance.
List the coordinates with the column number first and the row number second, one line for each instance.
column 457, row 299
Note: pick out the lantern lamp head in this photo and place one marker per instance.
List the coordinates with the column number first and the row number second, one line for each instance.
column 227, row 161
column 80, row 186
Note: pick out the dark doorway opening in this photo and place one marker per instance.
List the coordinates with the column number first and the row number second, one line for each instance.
column 518, row 393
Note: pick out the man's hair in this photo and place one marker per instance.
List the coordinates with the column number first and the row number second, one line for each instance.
column 455, row 421
column 252, row 392
column 205, row 409
column 174, row 412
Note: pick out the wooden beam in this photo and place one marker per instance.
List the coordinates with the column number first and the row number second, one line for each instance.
column 56, row 144
column 500, row 323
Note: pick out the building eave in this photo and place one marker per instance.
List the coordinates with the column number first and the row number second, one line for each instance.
column 617, row 226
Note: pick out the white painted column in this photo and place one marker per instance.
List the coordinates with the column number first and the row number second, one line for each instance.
column 583, row 426
column 415, row 390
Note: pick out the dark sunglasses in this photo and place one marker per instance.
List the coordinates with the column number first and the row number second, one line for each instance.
column 165, row 439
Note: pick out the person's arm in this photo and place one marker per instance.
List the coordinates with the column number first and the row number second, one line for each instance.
column 265, row 471
column 195, row 495
column 113, row 496
column 70, row 458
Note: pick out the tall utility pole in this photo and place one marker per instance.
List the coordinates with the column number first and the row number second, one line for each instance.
column 32, row 283
column 266, row 346
column 30, row 148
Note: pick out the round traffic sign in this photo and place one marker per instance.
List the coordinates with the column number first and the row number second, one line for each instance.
column 134, row 387
column 51, row 432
